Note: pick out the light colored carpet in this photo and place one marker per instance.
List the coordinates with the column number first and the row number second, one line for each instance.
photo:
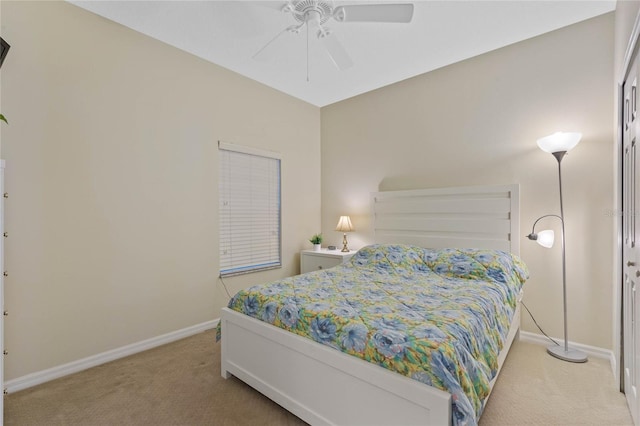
column 535, row 388
column 180, row 384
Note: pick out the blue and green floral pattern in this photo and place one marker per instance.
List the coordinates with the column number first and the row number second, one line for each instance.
column 439, row 316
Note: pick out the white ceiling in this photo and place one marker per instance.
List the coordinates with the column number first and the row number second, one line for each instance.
column 229, row 33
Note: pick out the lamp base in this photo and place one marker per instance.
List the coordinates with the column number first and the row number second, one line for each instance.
column 345, row 249
column 571, row 355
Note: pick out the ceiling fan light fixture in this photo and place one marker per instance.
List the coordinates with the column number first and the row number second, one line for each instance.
column 323, row 32
column 304, row 10
column 287, row 8
column 295, row 29
column 339, row 14
column 391, row 13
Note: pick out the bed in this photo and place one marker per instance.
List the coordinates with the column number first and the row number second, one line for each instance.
column 420, row 237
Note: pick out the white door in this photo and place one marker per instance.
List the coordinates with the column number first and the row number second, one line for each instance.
column 631, row 242
column 2, row 290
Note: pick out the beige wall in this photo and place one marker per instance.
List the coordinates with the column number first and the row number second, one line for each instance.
column 625, row 17
column 112, row 171
column 477, row 122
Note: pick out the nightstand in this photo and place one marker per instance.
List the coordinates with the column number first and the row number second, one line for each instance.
column 311, row 260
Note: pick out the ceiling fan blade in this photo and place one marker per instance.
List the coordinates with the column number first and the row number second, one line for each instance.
column 338, row 55
column 267, row 51
column 401, row 13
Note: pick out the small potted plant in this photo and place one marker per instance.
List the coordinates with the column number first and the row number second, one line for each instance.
column 316, row 240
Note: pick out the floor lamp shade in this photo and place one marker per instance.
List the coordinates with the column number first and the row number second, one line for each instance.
column 546, row 238
column 559, row 142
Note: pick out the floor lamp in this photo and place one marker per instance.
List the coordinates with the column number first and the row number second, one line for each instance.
column 558, row 145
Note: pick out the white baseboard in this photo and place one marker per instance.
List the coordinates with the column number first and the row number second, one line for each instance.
column 593, row 351
column 43, row 376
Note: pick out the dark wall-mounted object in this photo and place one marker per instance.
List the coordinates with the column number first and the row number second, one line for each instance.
column 4, row 49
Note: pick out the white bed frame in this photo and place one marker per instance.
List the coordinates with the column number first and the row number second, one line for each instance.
column 324, row 386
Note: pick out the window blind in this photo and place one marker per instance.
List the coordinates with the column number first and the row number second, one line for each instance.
column 249, row 193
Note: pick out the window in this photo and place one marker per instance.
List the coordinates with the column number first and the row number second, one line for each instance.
column 249, row 209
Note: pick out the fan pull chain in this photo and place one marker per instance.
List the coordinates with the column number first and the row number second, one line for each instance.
column 307, row 51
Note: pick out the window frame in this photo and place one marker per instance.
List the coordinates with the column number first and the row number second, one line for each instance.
column 273, row 258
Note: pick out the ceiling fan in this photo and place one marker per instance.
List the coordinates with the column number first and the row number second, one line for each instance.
column 312, row 15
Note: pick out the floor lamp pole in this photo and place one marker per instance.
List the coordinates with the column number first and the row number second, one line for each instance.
column 564, row 353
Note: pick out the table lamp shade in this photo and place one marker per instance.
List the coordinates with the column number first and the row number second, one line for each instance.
column 344, row 224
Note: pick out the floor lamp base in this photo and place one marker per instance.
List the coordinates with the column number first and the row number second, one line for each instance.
column 571, row 355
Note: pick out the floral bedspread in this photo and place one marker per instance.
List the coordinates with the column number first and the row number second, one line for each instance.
column 439, row 316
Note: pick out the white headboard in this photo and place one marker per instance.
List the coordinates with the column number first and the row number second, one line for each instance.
column 464, row 217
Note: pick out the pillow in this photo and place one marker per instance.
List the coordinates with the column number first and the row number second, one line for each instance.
column 480, row 264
